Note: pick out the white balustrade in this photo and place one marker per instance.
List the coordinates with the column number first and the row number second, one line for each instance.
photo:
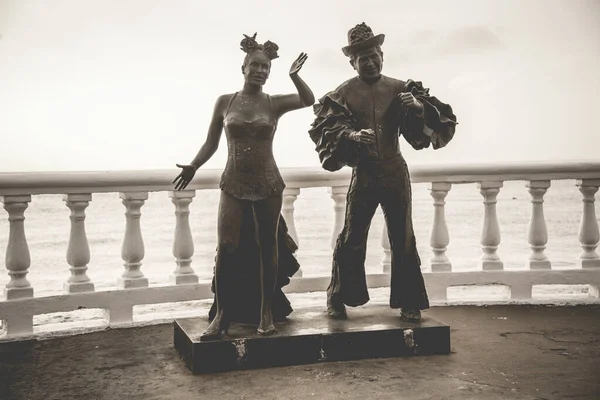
column 132, row 251
column 386, row 260
column 588, row 228
column 18, row 259
column 490, row 235
column 290, row 195
column 439, row 238
column 15, row 193
column 538, row 233
column 78, row 250
column 338, row 194
column 183, row 243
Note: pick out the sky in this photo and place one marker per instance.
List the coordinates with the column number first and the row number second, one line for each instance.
column 131, row 84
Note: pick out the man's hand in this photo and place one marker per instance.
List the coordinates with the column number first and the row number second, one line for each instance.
column 408, row 100
column 366, row 136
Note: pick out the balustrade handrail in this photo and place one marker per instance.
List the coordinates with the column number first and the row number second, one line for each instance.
column 27, row 183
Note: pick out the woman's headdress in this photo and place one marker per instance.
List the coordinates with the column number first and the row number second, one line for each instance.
column 249, row 44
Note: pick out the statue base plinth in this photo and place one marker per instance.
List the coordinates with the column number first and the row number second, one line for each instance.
column 309, row 336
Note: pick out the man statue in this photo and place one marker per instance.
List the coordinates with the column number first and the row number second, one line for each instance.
column 359, row 124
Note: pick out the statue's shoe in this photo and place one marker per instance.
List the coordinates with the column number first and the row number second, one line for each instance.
column 266, row 331
column 210, row 335
column 410, row 315
column 336, row 310
column 214, row 332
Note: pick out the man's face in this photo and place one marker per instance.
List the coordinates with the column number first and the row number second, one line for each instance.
column 368, row 63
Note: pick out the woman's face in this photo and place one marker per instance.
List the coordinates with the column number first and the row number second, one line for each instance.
column 256, row 69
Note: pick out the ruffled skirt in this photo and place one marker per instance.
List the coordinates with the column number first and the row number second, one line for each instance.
column 242, row 275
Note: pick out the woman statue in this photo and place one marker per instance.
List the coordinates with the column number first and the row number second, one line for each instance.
column 255, row 253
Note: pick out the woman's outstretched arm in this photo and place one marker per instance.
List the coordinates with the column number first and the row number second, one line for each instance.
column 213, row 137
column 209, row 147
column 290, row 102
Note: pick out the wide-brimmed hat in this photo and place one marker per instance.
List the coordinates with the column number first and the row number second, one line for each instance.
column 361, row 38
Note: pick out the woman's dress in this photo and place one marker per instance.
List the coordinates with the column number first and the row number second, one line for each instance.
column 252, row 175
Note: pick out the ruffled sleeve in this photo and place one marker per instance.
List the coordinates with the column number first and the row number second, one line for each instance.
column 437, row 116
column 329, row 132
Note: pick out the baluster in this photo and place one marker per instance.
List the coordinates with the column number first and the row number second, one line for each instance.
column 78, row 251
column 338, row 194
column 132, row 251
column 538, row 233
column 490, row 236
column 386, row 261
column 183, row 243
column 18, row 258
column 588, row 228
column 439, row 238
column 289, row 197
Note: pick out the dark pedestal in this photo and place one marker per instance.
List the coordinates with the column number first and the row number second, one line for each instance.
column 309, row 336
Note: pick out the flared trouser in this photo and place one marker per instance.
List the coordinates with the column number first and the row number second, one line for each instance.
column 385, row 183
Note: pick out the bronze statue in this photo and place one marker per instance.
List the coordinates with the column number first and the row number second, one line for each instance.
column 249, row 273
column 358, row 124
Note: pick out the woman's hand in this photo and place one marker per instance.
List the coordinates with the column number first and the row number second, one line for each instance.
column 185, row 177
column 297, row 65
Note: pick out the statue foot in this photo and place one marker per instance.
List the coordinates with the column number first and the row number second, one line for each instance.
column 211, row 334
column 336, row 310
column 266, row 330
column 266, row 327
column 215, row 330
column 410, row 315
